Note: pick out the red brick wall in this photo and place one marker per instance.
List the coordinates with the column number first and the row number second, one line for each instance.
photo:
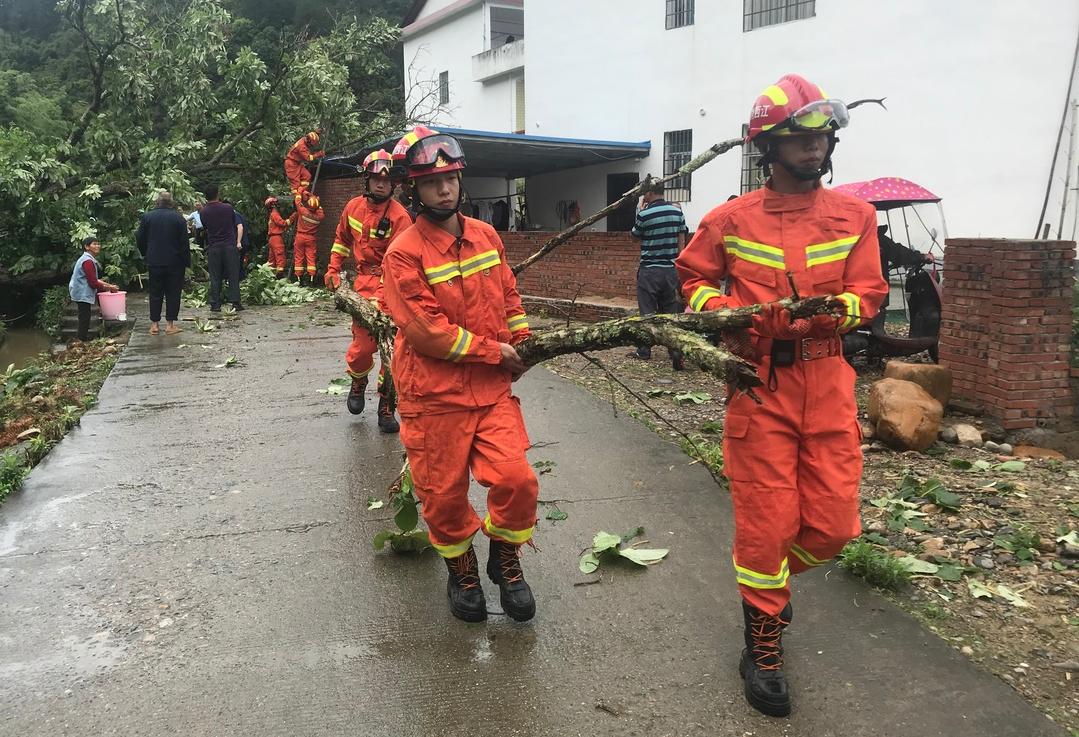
column 1006, row 327
column 333, row 195
column 591, row 265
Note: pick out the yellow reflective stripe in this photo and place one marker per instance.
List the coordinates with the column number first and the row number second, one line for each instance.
column 757, row 580
column 701, row 297
column 309, row 220
column 340, row 249
column 461, row 345
column 374, row 228
column 453, row 551
column 445, row 272
column 359, row 374
column 355, row 224
column 826, row 253
column 479, row 262
column 776, row 94
column 517, row 322
column 518, row 537
column 806, row 557
column 757, row 253
column 854, row 310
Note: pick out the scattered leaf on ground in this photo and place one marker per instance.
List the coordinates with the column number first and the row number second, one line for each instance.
column 543, row 467
column 978, row 589
column 1011, row 466
column 694, row 397
column 375, row 503
column 915, row 565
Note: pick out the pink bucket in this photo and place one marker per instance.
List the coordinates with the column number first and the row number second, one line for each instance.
column 113, row 305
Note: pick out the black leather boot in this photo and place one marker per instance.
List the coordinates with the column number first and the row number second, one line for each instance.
column 387, row 423
column 463, row 588
column 504, row 568
column 355, row 400
column 761, row 666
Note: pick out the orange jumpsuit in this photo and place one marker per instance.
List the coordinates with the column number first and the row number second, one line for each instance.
column 275, row 231
column 304, row 245
column 296, row 161
column 454, row 300
column 357, row 236
column 794, row 462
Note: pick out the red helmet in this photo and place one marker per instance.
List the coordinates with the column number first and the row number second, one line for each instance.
column 420, row 131
column 795, row 105
column 313, row 138
column 377, row 162
column 431, row 153
column 270, row 202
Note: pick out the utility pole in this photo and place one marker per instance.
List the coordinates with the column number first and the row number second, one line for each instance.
column 1068, row 171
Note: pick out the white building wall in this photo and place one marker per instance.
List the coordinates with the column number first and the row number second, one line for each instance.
column 450, row 46
column 975, row 91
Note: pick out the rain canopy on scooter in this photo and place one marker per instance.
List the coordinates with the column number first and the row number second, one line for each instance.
column 888, row 193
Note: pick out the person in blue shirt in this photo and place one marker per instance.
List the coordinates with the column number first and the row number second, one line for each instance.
column 661, row 227
column 85, row 284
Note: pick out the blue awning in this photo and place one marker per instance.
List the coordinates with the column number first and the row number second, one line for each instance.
column 510, row 155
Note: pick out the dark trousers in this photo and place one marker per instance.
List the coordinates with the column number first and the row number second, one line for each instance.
column 165, row 285
column 84, row 319
column 658, row 291
column 223, row 263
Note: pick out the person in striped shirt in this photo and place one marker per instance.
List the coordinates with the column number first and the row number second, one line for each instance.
column 661, row 227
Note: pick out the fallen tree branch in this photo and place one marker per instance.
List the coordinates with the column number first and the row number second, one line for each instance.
column 681, row 332
column 692, row 166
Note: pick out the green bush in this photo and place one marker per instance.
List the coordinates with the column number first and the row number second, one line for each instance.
column 874, row 565
column 50, row 314
column 12, row 472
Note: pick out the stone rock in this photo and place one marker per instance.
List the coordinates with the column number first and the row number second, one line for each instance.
column 986, row 563
column 994, row 432
column 962, row 406
column 1067, row 550
column 949, row 435
column 935, row 379
column 992, row 447
column 867, row 430
column 904, row 415
column 1006, row 449
column 969, row 436
column 1030, row 451
column 967, row 650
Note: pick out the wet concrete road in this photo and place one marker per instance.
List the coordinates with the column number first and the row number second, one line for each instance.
column 195, row 559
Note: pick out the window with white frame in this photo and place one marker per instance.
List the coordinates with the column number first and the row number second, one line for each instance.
column 751, row 171
column 679, row 13
column 762, row 13
column 507, row 25
column 677, row 151
column 443, row 88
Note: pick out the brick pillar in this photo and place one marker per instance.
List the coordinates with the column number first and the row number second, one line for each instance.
column 1006, row 327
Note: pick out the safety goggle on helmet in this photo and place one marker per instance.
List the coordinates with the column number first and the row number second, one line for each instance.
column 435, row 154
column 816, row 117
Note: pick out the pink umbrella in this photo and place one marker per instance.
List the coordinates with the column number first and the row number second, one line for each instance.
column 886, row 193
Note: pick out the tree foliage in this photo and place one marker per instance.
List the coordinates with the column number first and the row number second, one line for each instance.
column 105, row 102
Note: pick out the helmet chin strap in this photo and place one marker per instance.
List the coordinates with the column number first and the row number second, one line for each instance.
column 378, row 199
column 440, row 214
column 800, row 172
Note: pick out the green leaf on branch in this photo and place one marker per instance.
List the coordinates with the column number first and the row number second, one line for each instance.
column 407, row 517
column 607, row 546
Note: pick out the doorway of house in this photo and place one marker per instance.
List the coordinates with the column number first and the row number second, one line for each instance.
column 621, row 220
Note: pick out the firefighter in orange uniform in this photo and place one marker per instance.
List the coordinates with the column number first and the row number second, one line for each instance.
column 368, row 225
column 275, row 233
column 454, row 300
column 794, row 462
column 305, row 151
column 304, row 246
